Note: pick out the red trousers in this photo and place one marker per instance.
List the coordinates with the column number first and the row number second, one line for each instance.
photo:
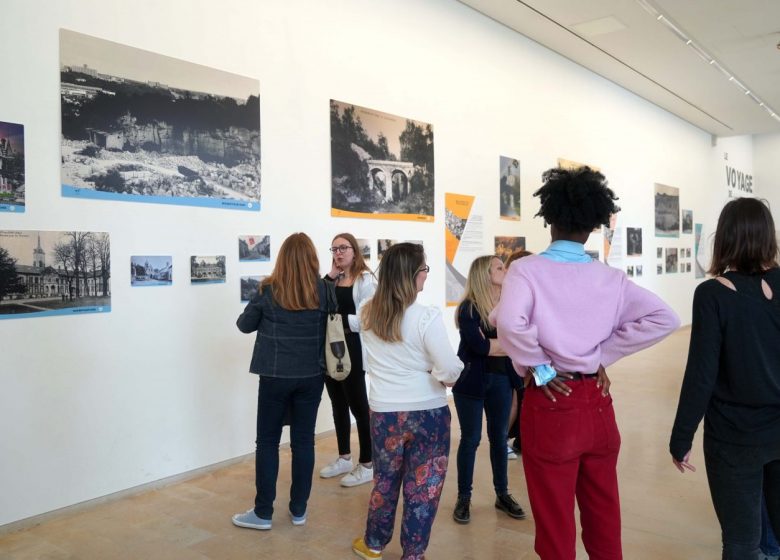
column 570, row 450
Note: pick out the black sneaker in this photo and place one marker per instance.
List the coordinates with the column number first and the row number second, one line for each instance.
column 462, row 513
column 508, row 505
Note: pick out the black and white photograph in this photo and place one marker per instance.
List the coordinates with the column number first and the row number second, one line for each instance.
column 144, row 127
column 207, row 270
column 381, row 165
column 630, row 271
column 592, row 254
column 687, row 221
column 687, row 252
column 505, row 245
column 667, row 211
column 151, row 270
column 12, row 191
column 383, row 245
column 633, row 242
column 365, row 247
column 687, row 267
column 671, row 259
column 638, row 270
column 45, row 273
column 659, row 269
column 254, row 248
column 659, row 252
column 509, row 188
column 455, row 224
column 250, row 285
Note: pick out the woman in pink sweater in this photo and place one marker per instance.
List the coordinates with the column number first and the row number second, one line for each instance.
column 564, row 318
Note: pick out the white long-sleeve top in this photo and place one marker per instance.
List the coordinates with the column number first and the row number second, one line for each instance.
column 408, row 375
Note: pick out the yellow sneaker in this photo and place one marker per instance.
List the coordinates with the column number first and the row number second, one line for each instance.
column 360, row 548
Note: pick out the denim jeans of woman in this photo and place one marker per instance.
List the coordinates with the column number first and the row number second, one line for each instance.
column 496, row 404
column 275, row 395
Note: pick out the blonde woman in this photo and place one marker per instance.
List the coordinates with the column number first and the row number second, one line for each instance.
column 487, row 384
column 354, row 284
column 288, row 314
column 409, row 362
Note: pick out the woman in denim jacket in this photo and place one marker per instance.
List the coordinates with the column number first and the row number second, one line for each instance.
column 289, row 314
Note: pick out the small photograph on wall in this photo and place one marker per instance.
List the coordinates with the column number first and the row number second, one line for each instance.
column 507, row 245
column 46, row 273
column 365, row 247
column 687, row 267
column 383, row 245
column 687, row 221
column 250, row 285
column 659, row 252
column 11, row 167
column 592, row 254
column 381, row 165
column 687, row 252
column 207, row 270
column 633, row 242
column 698, row 250
column 638, row 270
column 659, row 269
column 254, row 248
column 509, row 188
column 143, row 127
column 630, row 271
column 151, row 271
column 671, row 260
column 667, row 211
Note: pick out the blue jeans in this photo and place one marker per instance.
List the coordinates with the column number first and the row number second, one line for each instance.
column 275, row 395
column 768, row 544
column 497, row 403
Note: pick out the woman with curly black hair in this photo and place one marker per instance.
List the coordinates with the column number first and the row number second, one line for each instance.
column 564, row 318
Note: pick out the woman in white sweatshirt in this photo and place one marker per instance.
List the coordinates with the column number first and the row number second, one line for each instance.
column 409, row 361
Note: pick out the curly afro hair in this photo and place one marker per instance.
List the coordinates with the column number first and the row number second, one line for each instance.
column 576, row 200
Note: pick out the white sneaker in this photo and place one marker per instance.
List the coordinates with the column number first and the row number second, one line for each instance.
column 337, row 467
column 359, row 475
column 510, row 453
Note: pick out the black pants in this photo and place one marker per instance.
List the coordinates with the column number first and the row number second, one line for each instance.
column 738, row 475
column 347, row 395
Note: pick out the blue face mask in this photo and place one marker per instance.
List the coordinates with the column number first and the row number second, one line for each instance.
column 543, row 374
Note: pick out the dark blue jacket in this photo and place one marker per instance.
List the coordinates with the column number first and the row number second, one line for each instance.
column 289, row 344
column 473, row 352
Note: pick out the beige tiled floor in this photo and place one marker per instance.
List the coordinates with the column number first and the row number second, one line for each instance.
column 666, row 516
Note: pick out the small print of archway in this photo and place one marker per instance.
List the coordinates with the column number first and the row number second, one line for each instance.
column 398, row 175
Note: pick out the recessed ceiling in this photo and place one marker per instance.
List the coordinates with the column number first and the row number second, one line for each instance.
column 627, row 44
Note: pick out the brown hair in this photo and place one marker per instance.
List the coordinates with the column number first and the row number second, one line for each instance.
column 396, row 290
column 359, row 265
column 519, row 254
column 745, row 238
column 295, row 276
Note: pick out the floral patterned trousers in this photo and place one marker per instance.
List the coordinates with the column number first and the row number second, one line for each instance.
column 410, row 449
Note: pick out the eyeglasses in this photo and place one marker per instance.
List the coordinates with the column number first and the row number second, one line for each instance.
column 340, row 249
column 425, row 268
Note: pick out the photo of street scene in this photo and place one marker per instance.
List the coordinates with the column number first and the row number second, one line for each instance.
column 249, row 287
column 151, row 271
column 365, row 247
column 11, row 167
column 381, row 165
column 509, row 188
column 254, row 248
column 144, row 127
column 44, row 273
column 207, row 270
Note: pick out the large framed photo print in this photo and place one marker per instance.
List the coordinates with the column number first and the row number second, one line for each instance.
column 139, row 126
column 381, row 165
column 46, row 273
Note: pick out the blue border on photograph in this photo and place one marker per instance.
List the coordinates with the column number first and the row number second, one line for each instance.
column 225, row 203
column 14, row 208
column 206, row 281
column 57, row 312
column 150, row 284
column 264, row 259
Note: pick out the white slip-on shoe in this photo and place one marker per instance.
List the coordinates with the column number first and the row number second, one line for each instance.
column 359, row 475
column 337, row 467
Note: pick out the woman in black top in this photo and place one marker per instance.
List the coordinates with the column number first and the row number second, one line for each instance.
column 732, row 378
column 486, row 383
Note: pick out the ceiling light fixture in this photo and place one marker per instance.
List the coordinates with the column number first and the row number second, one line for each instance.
column 654, row 11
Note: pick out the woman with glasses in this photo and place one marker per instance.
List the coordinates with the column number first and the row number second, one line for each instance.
column 409, row 361
column 288, row 314
column 488, row 385
column 354, row 284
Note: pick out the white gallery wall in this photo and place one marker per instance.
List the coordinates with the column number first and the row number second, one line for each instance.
column 766, row 159
column 96, row 404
